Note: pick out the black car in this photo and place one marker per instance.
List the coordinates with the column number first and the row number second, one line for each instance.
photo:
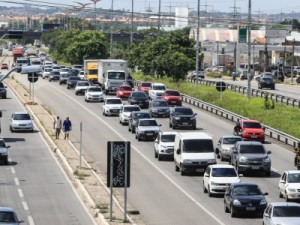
column 2, row 90
column 64, row 78
column 72, row 81
column 244, row 198
column 54, row 75
column 266, row 82
column 159, row 108
column 182, row 116
column 134, row 118
column 138, row 98
column 74, row 72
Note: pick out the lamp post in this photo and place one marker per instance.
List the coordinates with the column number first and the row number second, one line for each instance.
column 249, row 51
column 111, row 34
column 197, row 44
column 131, row 32
column 95, row 2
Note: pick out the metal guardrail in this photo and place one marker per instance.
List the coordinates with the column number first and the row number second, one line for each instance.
column 269, row 131
column 254, row 92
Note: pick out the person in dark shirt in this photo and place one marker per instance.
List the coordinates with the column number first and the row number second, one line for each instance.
column 67, row 127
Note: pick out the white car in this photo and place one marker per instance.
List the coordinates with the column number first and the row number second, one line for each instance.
column 46, row 73
column 125, row 112
column 218, row 177
column 112, row 106
column 81, row 74
column 278, row 213
column 164, row 145
column 289, row 185
column 4, row 151
column 56, row 68
column 147, row 129
column 156, row 90
column 20, row 121
column 81, row 87
column 93, row 94
column 64, row 71
column 225, row 143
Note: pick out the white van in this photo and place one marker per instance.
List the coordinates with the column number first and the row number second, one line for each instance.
column 194, row 152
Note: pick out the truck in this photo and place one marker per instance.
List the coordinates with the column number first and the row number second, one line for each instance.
column 90, row 68
column 112, row 73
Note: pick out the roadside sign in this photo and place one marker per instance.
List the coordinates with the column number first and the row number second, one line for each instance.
column 221, row 86
column 243, row 34
column 33, row 77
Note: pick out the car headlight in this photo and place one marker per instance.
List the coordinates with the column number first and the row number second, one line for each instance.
column 214, row 183
column 263, row 202
column 243, row 159
column 236, row 202
column 211, row 161
column 192, row 118
column 291, row 189
column 4, row 153
column 187, row 161
column 162, row 146
column 267, row 160
column 154, row 110
column 262, row 133
column 177, row 118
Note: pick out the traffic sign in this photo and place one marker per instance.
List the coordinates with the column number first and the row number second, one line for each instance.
column 221, row 86
column 15, row 34
column 33, row 77
column 242, row 34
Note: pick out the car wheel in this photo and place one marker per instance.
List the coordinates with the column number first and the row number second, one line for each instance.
column 209, row 192
column 204, row 188
column 232, row 212
column 226, row 208
column 49, row 80
column 182, row 173
column 286, row 197
column 176, row 168
column 4, row 96
column 155, row 154
column 159, row 157
column 32, row 131
column 68, row 87
column 170, row 125
column 221, row 157
column 129, row 128
column 139, row 138
column 106, row 92
column 194, row 127
column 76, row 93
column 280, row 194
column 11, row 130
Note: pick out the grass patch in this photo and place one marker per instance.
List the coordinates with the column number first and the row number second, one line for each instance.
column 281, row 117
column 103, row 208
column 80, row 175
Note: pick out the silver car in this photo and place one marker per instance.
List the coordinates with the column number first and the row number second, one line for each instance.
column 9, row 217
column 20, row 121
column 4, row 151
column 225, row 143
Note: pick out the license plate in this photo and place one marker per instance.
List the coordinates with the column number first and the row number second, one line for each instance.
column 173, row 101
column 149, row 134
column 115, row 110
column 185, row 123
column 253, row 136
column 199, row 170
column 255, row 167
column 250, row 208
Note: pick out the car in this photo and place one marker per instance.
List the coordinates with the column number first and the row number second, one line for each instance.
column 282, row 213
column 64, row 71
column 81, row 87
column 4, row 151
column 111, row 106
column 159, row 108
column 56, row 68
column 224, row 145
column 74, row 72
column 20, row 121
column 195, row 75
column 77, row 67
column 182, row 116
column 172, row 97
column 81, row 74
column 4, row 66
column 251, row 130
column 250, row 156
column 124, row 91
column 217, row 178
column 164, row 145
column 244, row 198
column 9, row 217
column 138, row 98
column 266, row 82
column 54, row 75
column 94, row 93
column 144, row 86
column 46, row 73
column 72, row 81
column 289, row 185
column 126, row 111
column 134, row 119
column 64, row 78
column 266, row 74
column 147, row 129
column 296, row 70
column 156, row 90
column 3, row 92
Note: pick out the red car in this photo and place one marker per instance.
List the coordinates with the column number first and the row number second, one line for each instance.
column 124, row 91
column 144, row 86
column 172, row 97
column 252, row 130
column 4, row 66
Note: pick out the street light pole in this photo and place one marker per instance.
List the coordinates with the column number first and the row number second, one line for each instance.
column 131, row 33
column 111, row 34
column 95, row 19
column 197, row 44
column 249, row 51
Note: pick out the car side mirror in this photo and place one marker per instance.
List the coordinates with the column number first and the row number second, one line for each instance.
column 264, row 128
column 266, row 193
column 206, row 175
column 8, row 146
column 0, row 113
column 159, row 125
column 269, row 152
column 21, row 221
column 156, row 141
column 195, row 114
column 241, row 175
column 178, row 151
column 235, row 151
column 266, row 215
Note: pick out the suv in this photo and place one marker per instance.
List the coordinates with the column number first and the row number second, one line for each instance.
column 182, row 116
column 156, row 90
column 4, row 151
column 147, row 129
column 3, row 91
column 250, row 156
column 20, row 121
column 134, row 119
column 72, row 81
column 251, row 130
column 164, row 145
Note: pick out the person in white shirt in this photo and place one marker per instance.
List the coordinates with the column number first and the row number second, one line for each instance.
column 57, row 126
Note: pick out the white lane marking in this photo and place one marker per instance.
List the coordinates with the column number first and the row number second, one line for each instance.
column 148, row 160
column 21, row 193
column 25, row 206
column 17, row 181
column 12, row 170
column 30, row 220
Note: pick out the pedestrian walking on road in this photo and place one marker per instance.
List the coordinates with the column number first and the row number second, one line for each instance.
column 67, row 127
column 57, row 125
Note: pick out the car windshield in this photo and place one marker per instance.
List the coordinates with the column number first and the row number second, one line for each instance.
column 198, row 145
column 24, row 116
column 267, row 79
column 116, row 75
column 74, row 78
column 252, row 125
column 7, row 217
column 114, row 101
column 168, row 137
column 294, row 178
column 172, row 93
column 83, row 84
column 146, row 84
column 231, row 140
column 65, row 70
column 183, row 111
column 286, row 211
column 125, row 88
column 159, row 104
column 141, row 116
column 95, row 89
column 48, row 70
column 77, row 66
column 247, row 190
column 223, row 172
column 252, row 149
column 138, row 95
column 148, row 123
column 159, row 87
column 55, row 73
column 131, row 109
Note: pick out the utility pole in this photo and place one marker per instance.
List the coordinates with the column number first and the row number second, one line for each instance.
column 111, row 22
column 131, row 31
column 249, row 50
column 197, row 44
column 292, row 73
column 159, row 12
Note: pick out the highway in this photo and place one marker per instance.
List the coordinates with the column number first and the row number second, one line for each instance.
column 157, row 191
column 34, row 184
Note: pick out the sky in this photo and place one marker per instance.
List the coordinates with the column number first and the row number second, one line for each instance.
column 258, row 6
